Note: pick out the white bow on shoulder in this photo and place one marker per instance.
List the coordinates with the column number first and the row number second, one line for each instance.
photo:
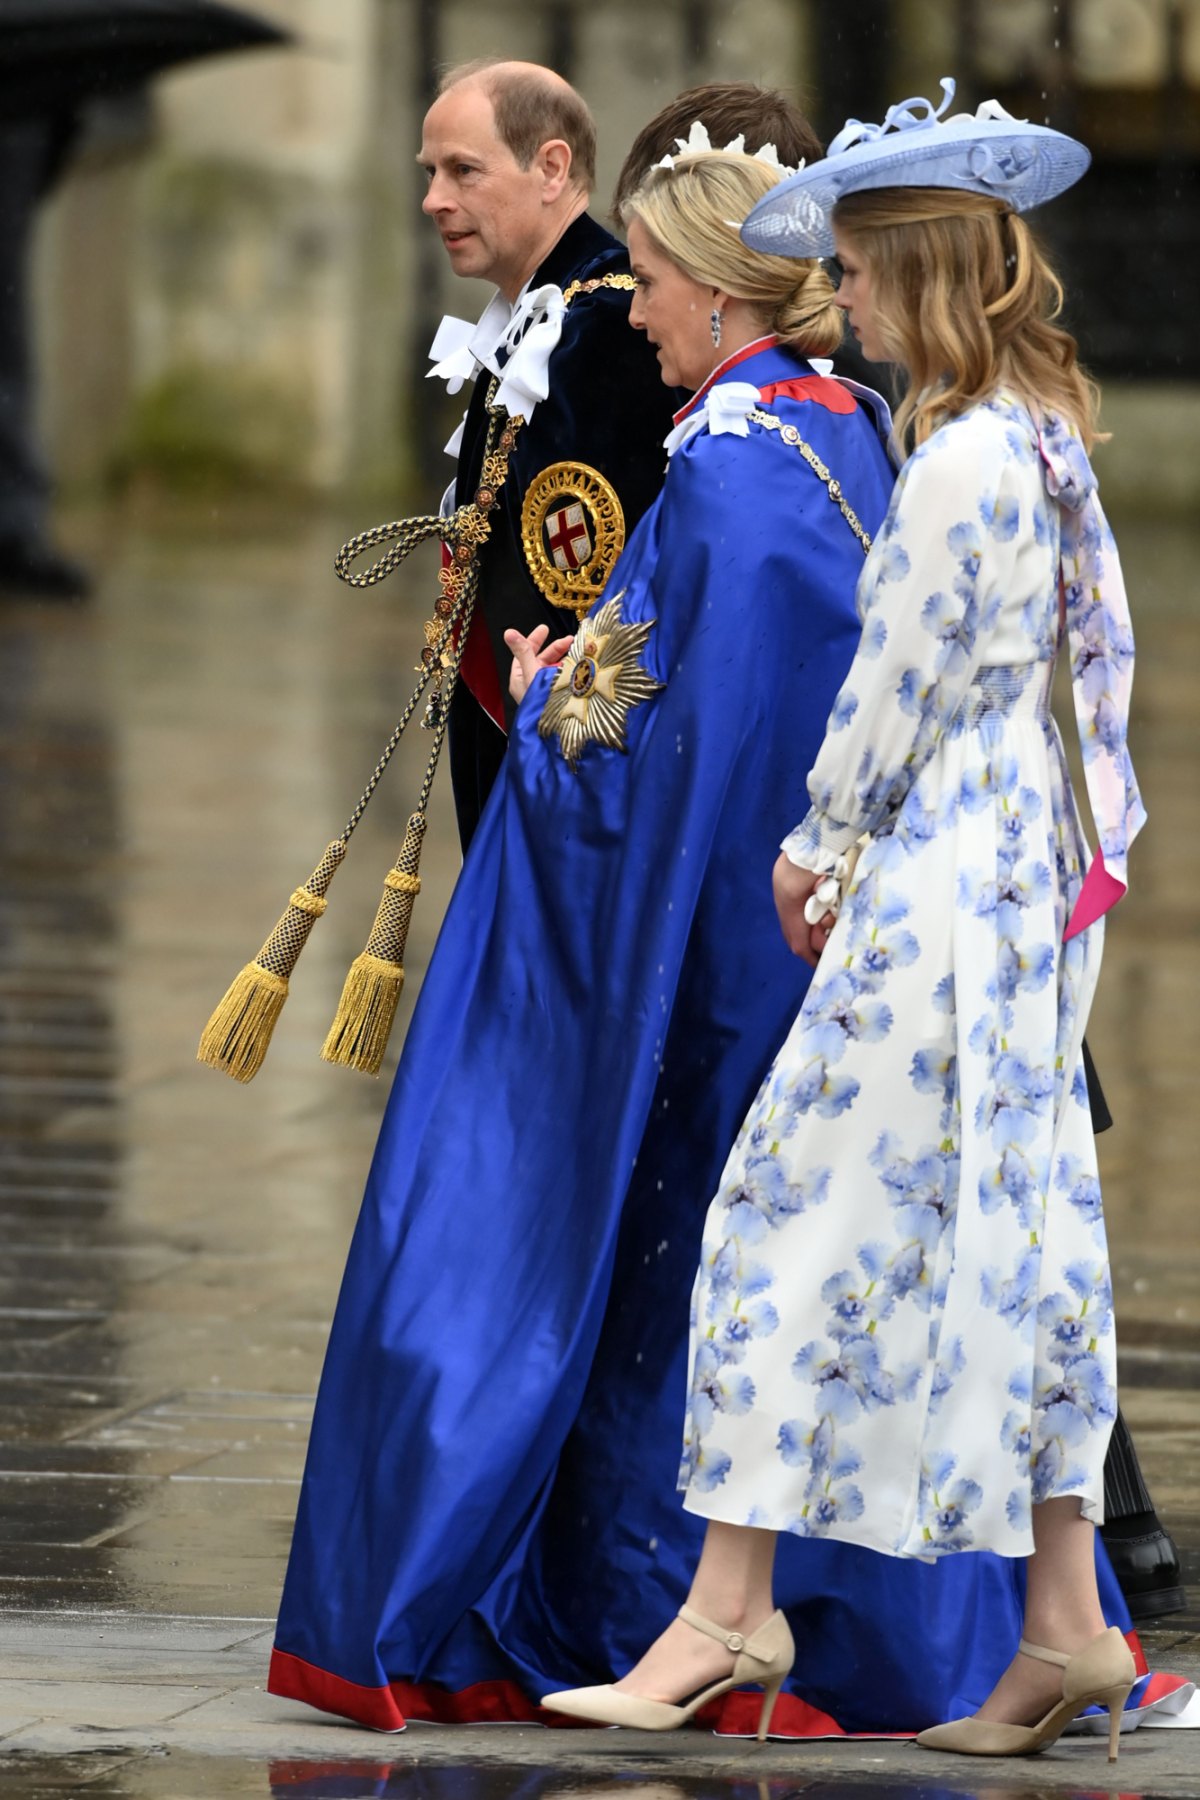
column 725, row 408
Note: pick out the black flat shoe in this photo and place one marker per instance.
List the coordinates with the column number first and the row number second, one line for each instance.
column 1146, row 1565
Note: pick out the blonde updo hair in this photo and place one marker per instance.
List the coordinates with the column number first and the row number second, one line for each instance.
column 966, row 302
column 691, row 212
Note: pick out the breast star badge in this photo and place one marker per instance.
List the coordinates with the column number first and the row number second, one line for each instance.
column 599, row 683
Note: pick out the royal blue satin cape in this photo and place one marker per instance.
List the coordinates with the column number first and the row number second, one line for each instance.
column 490, row 1492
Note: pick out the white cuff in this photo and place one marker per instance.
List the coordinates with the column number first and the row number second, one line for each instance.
column 817, row 840
column 835, row 867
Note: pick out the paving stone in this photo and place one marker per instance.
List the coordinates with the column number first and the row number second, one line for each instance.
column 171, row 1244
column 78, row 1460
column 149, row 1636
column 100, row 1704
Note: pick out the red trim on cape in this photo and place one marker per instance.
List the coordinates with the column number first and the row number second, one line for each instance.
column 503, row 1703
column 822, row 389
column 294, row 1679
column 731, row 362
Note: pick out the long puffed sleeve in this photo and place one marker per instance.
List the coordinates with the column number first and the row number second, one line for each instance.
column 929, row 598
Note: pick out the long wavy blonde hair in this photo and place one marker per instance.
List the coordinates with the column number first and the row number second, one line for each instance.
column 691, row 212
column 965, row 302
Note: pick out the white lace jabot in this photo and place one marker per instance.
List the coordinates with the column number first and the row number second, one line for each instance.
column 527, row 331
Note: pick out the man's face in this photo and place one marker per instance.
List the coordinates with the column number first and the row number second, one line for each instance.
column 487, row 208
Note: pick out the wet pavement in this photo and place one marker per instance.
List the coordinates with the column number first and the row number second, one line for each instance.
column 107, row 1778
column 173, row 759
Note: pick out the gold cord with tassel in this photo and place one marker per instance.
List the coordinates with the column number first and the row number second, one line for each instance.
column 359, row 1034
column 237, row 1036
column 362, row 1024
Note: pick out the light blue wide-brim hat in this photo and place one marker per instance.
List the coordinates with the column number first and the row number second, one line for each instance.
column 985, row 152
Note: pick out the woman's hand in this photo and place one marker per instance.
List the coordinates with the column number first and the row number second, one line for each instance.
column 792, row 887
column 531, row 654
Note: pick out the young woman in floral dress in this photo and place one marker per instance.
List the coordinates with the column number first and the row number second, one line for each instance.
column 903, row 1334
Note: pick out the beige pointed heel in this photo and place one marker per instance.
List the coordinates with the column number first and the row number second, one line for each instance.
column 764, row 1658
column 1101, row 1674
column 771, row 1692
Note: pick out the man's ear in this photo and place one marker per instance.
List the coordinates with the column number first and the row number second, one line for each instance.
column 553, row 160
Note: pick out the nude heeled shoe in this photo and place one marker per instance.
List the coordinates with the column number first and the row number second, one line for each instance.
column 765, row 1658
column 1101, row 1674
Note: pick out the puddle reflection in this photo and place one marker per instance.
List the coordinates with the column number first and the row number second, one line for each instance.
column 464, row 1781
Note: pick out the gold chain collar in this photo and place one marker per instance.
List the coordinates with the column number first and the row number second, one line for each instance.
column 790, row 435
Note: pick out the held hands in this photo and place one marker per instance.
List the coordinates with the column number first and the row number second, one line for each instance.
column 531, row 654
column 792, row 887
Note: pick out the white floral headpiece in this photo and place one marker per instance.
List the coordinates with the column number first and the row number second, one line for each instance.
column 698, row 140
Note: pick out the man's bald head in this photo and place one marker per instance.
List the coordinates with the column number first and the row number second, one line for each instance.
column 508, row 149
column 533, row 106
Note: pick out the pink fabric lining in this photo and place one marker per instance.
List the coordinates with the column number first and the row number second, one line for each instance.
column 1100, row 892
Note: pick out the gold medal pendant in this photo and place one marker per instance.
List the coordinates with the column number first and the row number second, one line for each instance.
column 572, row 532
column 599, row 683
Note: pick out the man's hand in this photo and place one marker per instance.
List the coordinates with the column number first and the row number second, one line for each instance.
column 792, row 887
column 531, row 654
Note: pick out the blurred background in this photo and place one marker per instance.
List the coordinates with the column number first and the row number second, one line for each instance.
column 235, row 285
column 231, row 295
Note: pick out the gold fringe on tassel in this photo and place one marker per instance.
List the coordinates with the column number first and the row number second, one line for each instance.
column 237, row 1037
column 362, row 1024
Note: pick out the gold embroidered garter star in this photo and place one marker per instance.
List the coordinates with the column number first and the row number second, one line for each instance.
column 599, row 683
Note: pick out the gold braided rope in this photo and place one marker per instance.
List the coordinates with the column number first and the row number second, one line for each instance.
column 236, row 1037
column 238, row 1034
column 407, row 533
column 790, row 435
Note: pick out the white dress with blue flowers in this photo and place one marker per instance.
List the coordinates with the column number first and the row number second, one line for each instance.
column 903, row 1329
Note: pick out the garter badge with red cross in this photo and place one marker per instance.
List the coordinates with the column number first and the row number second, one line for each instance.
column 568, row 538
column 572, row 532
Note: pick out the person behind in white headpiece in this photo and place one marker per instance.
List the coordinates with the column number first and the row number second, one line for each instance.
column 902, row 1320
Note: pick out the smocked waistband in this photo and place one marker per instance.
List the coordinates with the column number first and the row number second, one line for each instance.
column 1008, row 691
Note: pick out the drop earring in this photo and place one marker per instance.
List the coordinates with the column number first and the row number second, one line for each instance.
column 715, row 322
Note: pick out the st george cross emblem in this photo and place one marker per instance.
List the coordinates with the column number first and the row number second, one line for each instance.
column 567, row 537
column 572, row 532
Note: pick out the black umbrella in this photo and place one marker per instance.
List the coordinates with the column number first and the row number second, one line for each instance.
column 55, row 54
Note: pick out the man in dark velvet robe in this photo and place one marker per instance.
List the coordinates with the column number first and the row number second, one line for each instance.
column 509, row 149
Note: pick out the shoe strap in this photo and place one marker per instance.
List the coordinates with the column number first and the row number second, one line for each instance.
column 1040, row 1654
column 732, row 1640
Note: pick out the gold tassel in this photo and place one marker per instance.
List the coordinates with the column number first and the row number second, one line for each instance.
column 236, row 1038
column 362, row 1024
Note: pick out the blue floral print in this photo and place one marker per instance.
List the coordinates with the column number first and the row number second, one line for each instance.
column 903, row 1327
